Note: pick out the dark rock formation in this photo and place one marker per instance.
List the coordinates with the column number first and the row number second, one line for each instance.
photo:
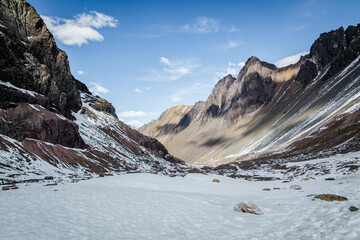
column 30, row 59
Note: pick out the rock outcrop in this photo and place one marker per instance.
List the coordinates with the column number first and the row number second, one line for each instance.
column 303, row 109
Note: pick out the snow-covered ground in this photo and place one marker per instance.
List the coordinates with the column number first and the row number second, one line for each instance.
column 147, row 206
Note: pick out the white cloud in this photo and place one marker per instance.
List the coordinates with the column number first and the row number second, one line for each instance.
column 202, row 25
column 132, row 114
column 171, row 70
column 233, row 69
column 81, row 29
column 141, row 90
column 138, row 90
column 80, row 72
column 134, row 123
column 96, row 88
column 164, row 60
column 290, row 60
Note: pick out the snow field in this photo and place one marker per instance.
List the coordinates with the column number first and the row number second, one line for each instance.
column 146, row 206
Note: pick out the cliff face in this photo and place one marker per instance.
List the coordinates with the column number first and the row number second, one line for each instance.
column 49, row 121
column 31, row 60
column 266, row 109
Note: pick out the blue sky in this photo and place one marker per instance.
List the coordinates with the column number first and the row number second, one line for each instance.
column 146, row 56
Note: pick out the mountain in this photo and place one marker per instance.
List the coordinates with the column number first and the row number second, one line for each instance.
column 304, row 110
column 50, row 124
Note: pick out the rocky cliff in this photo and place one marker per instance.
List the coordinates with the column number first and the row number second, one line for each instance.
column 309, row 108
column 49, row 121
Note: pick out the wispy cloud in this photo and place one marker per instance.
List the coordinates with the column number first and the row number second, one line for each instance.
column 231, row 29
column 81, row 29
column 141, row 90
column 231, row 44
column 193, row 89
column 97, row 88
column 138, row 90
column 171, row 70
column 132, row 114
column 80, row 72
column 290, row 60
column 201, row 25
column 134, row 123
column 233, row 69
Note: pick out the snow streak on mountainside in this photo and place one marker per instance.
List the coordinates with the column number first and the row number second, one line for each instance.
column 50, row 124
column 306, row 109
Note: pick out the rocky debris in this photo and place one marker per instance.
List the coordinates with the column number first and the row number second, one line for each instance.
column 295, row 187
column 12, row 186
column 305, row 179
column 330, row 179
column 276, row 188
column 247, row 207
column 49, row 178
column 330, row 197
column 266, row 189
column 353, row 209
column 216, row 180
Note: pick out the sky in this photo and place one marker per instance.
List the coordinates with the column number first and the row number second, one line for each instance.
column 147, row 56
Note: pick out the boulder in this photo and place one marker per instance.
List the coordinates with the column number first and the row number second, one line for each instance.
column 248, row 207
column 353, row 209
column 216, row 180
column 330, row 197
column 295, row 187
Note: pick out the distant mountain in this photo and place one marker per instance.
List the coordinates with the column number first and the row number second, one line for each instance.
column 49, row 121
column 303, row 110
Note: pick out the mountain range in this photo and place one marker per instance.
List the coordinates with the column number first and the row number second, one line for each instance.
column 305, row 110
column 50, row 123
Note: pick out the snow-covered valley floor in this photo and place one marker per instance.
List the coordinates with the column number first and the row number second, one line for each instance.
column 146, row 206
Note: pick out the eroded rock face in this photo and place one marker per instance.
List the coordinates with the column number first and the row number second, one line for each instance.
column 30, row 59
column 104, row 106
column 33, row 121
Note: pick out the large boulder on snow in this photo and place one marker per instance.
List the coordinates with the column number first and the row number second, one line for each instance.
column 248, row 207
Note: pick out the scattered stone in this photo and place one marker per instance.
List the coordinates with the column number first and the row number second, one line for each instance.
column 248, row 207
column 101, row 175
column 216, row 180
column 331, row 197
column 295, row 187
column 266, row 189
column 311, row 195
column 276, row 188
column 330, row 179
column 353, row 209
column 12, row 186
column 305, row 179
column 51, row 184
column 48, row 178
